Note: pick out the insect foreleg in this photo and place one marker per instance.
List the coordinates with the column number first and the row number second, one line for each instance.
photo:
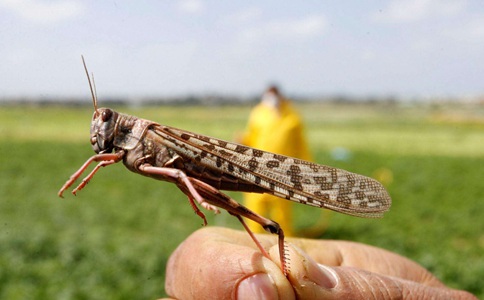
column 104, row 157
column 89, row 177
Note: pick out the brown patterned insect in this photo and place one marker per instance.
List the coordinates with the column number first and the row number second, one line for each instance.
column 201, row 166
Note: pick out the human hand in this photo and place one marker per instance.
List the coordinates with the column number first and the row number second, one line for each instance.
column 220, row 263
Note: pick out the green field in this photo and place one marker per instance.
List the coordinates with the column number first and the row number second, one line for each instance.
column 113, row 240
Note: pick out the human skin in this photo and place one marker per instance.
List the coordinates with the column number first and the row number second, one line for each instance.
column 220, row 263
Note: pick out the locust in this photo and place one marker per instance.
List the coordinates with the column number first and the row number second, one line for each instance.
column 202, row 166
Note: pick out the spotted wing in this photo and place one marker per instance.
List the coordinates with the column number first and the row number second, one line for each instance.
column 286, row 177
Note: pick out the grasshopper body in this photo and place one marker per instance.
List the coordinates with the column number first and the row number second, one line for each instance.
column 201, row 166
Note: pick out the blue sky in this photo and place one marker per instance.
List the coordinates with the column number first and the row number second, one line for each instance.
column 403, row 48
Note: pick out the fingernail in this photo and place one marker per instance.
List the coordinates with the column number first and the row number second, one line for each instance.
column 258, row 286
column 322, row 276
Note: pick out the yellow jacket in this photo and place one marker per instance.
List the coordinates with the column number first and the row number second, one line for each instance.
column 279, row 132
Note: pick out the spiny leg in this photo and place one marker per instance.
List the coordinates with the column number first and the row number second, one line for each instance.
column 217, row 198
column 252, row 235
column 211, row 198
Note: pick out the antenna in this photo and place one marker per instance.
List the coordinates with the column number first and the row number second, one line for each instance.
column 93, row 90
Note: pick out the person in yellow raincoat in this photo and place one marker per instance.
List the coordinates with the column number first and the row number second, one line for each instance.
column 274, row 126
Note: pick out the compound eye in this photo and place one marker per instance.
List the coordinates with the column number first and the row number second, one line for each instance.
column 106, row 115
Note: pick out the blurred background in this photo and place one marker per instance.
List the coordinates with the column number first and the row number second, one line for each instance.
column 388, row 89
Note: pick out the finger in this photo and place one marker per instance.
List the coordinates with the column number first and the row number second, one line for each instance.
column 218, row 263
column 373, row 259
column 315, row 281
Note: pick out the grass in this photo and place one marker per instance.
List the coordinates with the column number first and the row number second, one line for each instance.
column 113, row 240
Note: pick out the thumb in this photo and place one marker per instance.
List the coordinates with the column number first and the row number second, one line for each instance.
column 315, row 281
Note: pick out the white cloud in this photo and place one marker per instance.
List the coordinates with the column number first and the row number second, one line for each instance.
column 476, row 28
column 403, row 11
column 307, row 27
column 471, row 30
column 191, row 6
column 368, row 54
column 243, row 16
column 43, row 11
